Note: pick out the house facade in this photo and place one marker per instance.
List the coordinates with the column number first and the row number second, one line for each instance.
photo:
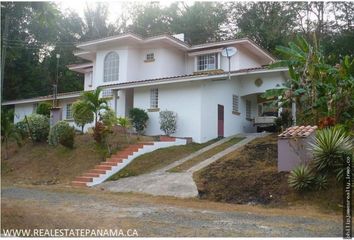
column 211, row 95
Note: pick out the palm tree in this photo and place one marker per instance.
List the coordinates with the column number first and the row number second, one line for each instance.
column 94, row 102
column 8, row 130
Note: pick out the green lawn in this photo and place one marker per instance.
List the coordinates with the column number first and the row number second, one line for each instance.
column 157, row 159
column 190, row 163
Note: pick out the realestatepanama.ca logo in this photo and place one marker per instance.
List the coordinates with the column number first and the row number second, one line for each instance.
column 69, row 233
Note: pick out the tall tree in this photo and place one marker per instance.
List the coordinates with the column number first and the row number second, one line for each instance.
column 267, row 23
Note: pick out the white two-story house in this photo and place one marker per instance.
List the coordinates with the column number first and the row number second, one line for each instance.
column 165, row 73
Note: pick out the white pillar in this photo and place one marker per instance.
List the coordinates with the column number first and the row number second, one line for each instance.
column 293, row 112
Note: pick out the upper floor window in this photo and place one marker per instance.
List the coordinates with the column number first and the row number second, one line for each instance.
column 154, row 98
column 111, row 67
column 207, row 62
column 150, row 57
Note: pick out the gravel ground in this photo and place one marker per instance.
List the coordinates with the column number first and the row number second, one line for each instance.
column 24, row 207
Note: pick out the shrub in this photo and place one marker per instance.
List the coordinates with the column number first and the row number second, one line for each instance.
column 321, row 182
column 22, row 129
column 108, row 118
column 124, row 122
column 139, row 119
column 62, row 133
column 82, row 114
column 301, row 178
column 43, row 108
column 39, row 127
column 328, row 148
column 168, row 122
column 100, row 133
column 326, row 122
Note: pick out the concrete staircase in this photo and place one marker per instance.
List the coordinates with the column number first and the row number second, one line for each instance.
column 120, row 160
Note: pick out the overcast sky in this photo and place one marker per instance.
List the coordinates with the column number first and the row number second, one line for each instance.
column 115, row 7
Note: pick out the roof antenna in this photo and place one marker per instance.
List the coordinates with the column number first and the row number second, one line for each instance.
column 229, row 52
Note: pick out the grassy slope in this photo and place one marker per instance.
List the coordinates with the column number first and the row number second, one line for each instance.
column 41, row 163
column 158, row 159
column 190, row 163
column 250, row 175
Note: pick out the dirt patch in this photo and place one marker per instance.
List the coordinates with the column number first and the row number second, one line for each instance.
column 248, row 175
column 42, row 164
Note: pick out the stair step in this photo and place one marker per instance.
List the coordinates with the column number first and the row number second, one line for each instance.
column 117, row 160
column 78, row 184
column 93, row 175
column 109, row 163
column 104, row 167
column 100, row 171
column 147, row 143
column 83, row 179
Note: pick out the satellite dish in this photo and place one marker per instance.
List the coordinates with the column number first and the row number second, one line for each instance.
column 229, row 51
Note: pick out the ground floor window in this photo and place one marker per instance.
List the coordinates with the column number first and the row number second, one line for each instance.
column 69, row 114
column 154, row 98
column 235, row 103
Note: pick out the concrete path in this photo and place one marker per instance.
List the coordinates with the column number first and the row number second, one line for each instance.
column 163, row 183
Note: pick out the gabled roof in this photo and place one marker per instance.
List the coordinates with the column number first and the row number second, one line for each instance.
column 212, row 75
column 298, row 131
column 132, row 38
column 43, row 98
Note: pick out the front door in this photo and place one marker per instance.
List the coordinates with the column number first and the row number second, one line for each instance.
column 220, row 120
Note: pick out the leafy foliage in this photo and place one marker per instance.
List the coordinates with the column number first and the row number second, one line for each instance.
column 108, row 118
column 168, row 122
column 43, row 108
column 93, row 102
column 301, row 178
column 328, row 147
column 285, row 120
column 139, row 119
column 39, row 127
column 8, row 130
column 321, row 182
column 22, row 129
column 100, row 133
column 82, row 114
column 62, row 133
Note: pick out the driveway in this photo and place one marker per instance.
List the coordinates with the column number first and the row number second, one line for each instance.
column 50, row 208
column 163, row 183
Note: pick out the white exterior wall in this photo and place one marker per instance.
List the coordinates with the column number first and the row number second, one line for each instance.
column 221, row 92
column 88, row 82
column 270, row 81
column 22, row 110
column 184, row 99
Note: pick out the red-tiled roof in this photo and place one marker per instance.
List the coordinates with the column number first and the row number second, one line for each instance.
column 298, row 131
column 201, row 74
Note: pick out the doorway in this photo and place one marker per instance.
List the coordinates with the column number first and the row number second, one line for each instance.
column 220, row 120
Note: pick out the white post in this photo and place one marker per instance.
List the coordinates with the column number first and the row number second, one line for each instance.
column 293, row 112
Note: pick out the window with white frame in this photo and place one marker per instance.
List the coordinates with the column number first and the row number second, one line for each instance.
column 150, row 57
column 111, row 67
column 207, row 62
column 248, row 109
column 235, row 103
column 69, row 113
column 107, row 93
column 154, row 98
